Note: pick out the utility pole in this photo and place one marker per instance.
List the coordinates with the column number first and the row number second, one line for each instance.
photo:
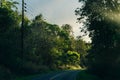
column 22, row 29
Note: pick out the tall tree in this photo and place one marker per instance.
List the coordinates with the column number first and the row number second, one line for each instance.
column 10, row 4
column 100, row 17
column 9, row 40
column 82, row 48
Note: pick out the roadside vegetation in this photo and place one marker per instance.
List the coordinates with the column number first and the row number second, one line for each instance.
column 101, row 19
column 49, row 47
column 84, row 75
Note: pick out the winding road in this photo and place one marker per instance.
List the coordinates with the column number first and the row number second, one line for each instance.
column 63, row 75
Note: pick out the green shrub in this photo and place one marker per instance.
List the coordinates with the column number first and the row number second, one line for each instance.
column 83, row 75
column 5, row 74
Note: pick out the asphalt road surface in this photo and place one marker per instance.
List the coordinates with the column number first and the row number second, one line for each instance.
column 63, row 75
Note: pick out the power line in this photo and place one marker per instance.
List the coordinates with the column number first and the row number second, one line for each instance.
column 29, row 10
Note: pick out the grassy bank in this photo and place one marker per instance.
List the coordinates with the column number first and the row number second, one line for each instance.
column 83, row 75
column 30, row 77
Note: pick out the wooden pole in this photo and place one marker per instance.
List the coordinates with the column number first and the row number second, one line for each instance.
column 22, row 29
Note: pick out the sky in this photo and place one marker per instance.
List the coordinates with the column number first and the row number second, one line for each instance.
column 55, row 12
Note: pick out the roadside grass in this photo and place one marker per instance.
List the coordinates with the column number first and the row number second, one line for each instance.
column 30, row 77
column 74, row 67
column 83, row 75
column 70, row 67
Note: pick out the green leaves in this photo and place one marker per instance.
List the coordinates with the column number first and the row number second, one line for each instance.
column 46, row 46
column 9, row 4
column 101, row 20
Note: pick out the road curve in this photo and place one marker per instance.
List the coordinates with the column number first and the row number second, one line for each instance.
column 63, row 75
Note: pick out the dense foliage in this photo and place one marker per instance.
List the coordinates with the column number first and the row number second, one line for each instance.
column 101, row 19
column 46, row 46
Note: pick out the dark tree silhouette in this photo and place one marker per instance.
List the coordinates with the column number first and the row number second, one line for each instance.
column 101, row 19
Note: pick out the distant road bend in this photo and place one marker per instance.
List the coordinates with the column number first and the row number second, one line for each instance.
column 63, row 75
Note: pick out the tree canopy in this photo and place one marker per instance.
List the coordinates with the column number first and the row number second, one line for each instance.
column 101, row 19
column 46, row 46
